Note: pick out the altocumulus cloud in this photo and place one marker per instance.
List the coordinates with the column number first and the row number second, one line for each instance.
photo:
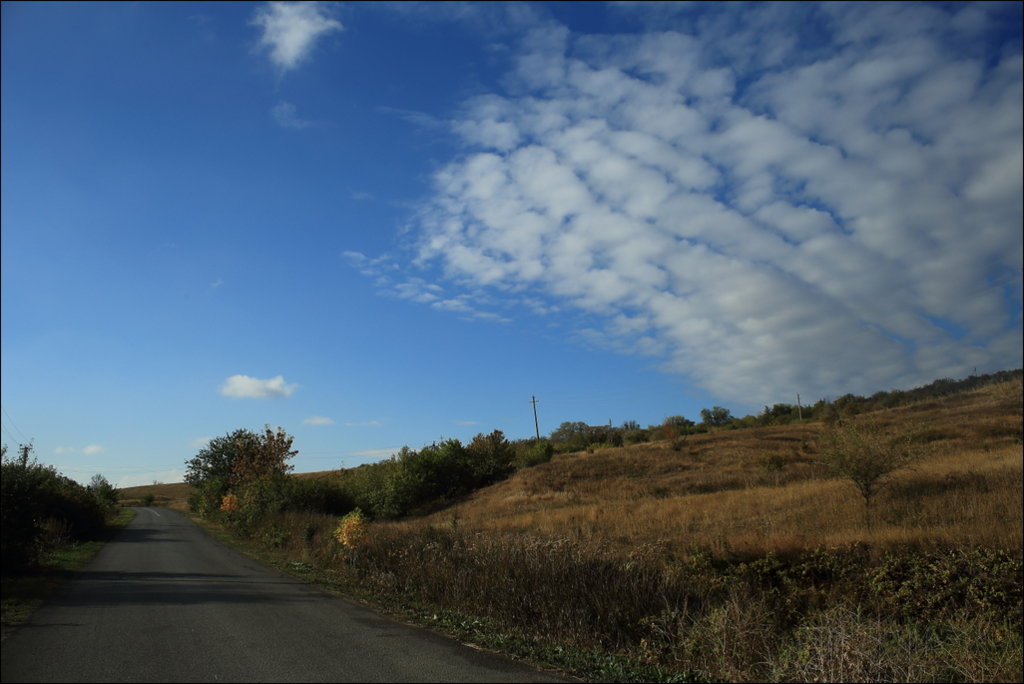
column 796, row 198
column 245, row 387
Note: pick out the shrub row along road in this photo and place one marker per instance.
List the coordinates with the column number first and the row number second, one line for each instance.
column 163, row 602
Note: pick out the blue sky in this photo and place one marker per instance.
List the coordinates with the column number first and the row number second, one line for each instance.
column 378, row 225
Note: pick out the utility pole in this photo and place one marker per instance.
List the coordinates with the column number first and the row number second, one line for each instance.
column 799, row 409
column 533, row 400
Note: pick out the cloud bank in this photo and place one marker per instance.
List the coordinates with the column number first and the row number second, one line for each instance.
column 245, row 387
column 830, row 204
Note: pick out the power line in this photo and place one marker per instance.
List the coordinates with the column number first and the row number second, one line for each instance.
column 13, row 439
column 11, row 421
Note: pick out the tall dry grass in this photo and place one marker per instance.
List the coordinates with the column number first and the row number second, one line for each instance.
column 750, row 492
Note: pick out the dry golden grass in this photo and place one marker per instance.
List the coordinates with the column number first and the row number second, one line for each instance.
column 747, row 492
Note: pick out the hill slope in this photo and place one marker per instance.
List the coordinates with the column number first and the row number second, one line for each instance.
column 763, row 489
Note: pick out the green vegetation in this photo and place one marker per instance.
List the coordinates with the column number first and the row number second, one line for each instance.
column 44, row 510
column 52, row 525
column 240, row 479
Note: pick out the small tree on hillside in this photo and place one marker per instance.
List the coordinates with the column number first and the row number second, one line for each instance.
column 674, row 426
column 866, row 455
column 492, row 458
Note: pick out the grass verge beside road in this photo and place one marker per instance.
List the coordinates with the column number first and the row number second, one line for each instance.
column 24, row 593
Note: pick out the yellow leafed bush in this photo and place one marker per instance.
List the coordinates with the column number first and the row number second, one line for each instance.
column 351, row 529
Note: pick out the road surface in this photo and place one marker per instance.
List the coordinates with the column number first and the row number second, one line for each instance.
column 163, row 602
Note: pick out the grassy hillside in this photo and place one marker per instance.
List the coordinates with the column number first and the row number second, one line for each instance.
column 757, row 490
column 173, row 495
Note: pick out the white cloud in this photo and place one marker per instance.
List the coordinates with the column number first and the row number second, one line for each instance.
column 290, row 30
column 284, row 113
column 845, row 220
column 245, row 387
column 318, row 420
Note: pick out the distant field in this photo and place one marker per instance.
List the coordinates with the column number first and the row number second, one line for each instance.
column 167, row 495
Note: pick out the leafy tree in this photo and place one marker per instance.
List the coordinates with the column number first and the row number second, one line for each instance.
column 866, row 455
column 715, row 417
column 491, row 457
column 250, row 465
column 779, row 414
column 210, row 471
column 674, row 426
column 678, row 422
column 532, row 452
column 104, row 492
column 577, row 435
column 263, row 457
column 571, row 436
column 216, row 461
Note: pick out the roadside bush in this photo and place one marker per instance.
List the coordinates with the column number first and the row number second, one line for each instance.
column 249, row 467
column 206, row 496
column 105, row 493
column 317, row 495
column 421, row 481
column 377, row 488
column 41, row 508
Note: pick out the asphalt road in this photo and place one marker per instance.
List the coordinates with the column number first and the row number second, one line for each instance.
column 163, row 602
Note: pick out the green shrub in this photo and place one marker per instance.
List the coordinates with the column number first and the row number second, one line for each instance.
column 531, row 453
column 317, row 495
column 42, row 508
